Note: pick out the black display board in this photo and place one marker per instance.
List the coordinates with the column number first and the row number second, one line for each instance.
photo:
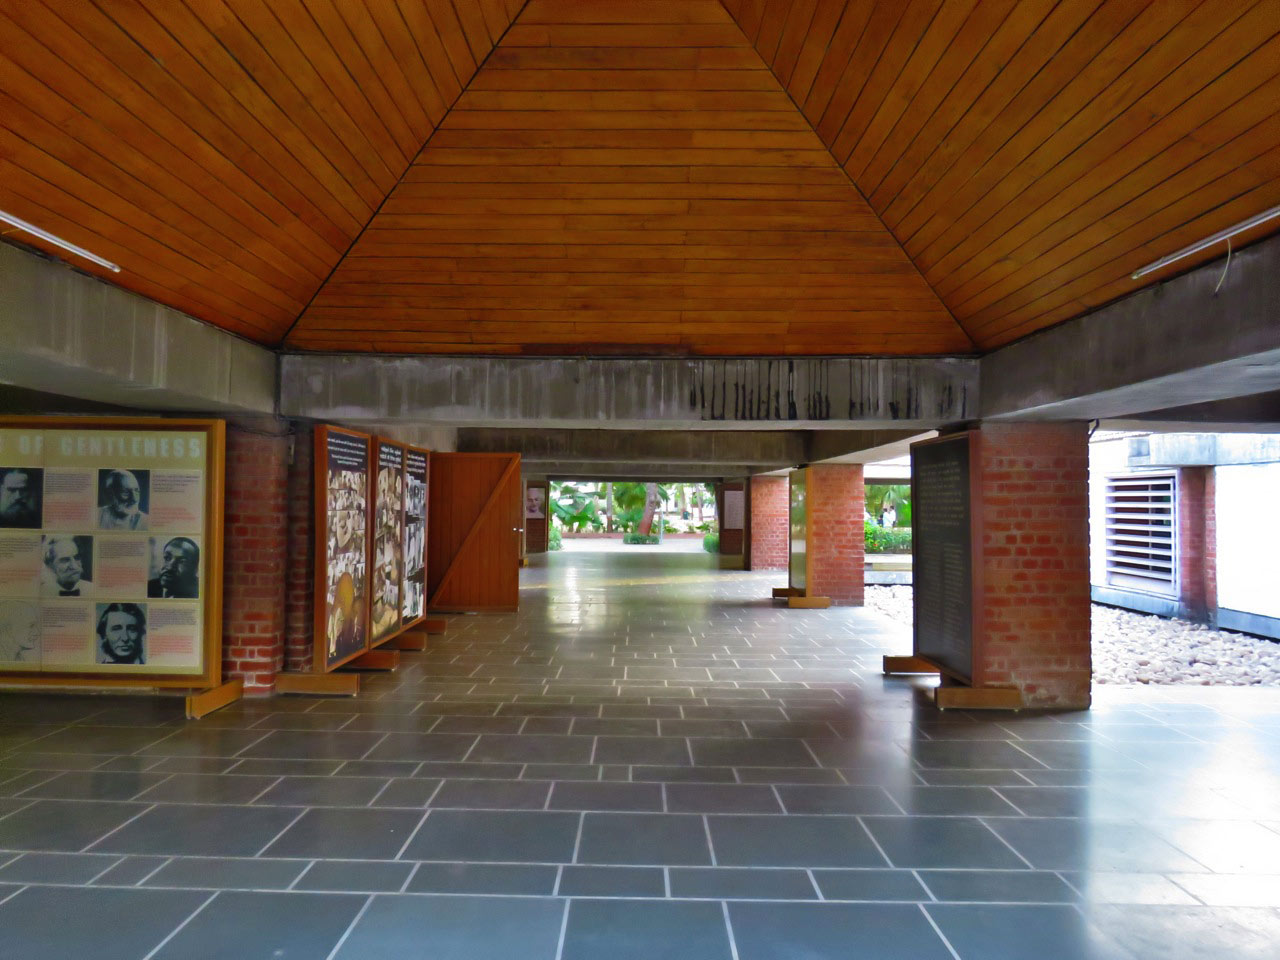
column 942, row 553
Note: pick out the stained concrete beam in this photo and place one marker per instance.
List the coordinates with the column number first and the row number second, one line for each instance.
column 631, row 394
column 631, row 470
column 1181, row 342
column 670, row 446
column 68, row 333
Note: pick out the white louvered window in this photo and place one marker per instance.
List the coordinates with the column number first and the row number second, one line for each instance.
column 1142, row 538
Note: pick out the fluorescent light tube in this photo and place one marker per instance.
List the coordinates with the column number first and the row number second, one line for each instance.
column 1204, row 244
column 47, row 237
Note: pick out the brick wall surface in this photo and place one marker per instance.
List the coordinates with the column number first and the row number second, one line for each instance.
column 1034, row 546
column 1193, row 508
column 254, row 558
column 769, row 536
column 300, row 576
column 837, row 543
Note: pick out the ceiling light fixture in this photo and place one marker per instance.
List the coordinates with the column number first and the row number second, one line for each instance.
column 1204, row 244
column 47, row 237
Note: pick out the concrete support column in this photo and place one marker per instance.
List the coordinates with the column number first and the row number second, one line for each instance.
column 768, row 524
column 1032, row 502
column 300, row 586
column 836, row 503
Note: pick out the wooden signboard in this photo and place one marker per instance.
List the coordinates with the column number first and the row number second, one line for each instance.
column 386, row 556
column 413, row 595
column 342, row 495
column 111, row 552
column 945, row 541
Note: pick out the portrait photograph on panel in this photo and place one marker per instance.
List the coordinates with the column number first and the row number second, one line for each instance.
column 535, row 503
column 21, row 490
column 19, row 632
column 122, row 633
column 123, row 499
column 174, row 569
column 68, row 565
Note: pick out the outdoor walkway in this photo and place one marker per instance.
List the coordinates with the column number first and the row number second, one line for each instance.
column 650, row 761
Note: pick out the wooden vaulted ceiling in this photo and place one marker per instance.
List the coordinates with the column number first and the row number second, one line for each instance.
column 631, row 176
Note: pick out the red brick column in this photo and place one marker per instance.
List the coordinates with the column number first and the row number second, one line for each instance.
column 300, row 576
column 769, row 509
column 837, row 544
column 1194, row 513
column 1034, row 575
column 254, row 557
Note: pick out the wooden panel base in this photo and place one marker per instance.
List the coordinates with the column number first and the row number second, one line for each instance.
column 732, row 561
column 438, row 625
column 908, row 665
column 959, row 697
column 380, row 659
column 808, row 603
column 324, row 684
column 215, row 698
column 409, row 640
column 781, row 593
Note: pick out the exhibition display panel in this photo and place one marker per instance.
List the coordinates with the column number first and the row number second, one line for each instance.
column 111, row 551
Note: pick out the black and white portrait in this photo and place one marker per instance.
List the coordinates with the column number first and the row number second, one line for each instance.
column 175, row 568
column 68, row 566
column 20, row 496
column 19, row 632
column 123, row 499
column 122, row 633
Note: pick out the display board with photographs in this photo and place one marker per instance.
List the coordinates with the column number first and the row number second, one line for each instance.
column 110, row 548
column 388, row 540
column 413, row 602
column 342, row 512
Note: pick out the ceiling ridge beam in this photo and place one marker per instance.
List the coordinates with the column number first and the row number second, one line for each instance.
column 783, row 87
column 284, row 339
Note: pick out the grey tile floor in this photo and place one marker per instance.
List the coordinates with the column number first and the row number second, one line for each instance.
column 649, row 761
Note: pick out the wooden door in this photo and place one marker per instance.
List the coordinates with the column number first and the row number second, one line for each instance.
column 473, row 551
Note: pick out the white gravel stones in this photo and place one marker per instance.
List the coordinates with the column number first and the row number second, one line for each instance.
column 1133, row 648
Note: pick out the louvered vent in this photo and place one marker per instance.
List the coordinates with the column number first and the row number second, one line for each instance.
column 1142, row 523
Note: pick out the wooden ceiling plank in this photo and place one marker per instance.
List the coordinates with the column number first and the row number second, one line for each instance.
column 771, row 25
column 29, row 197
column 379, row 83
column 1001, row 74
column 755, row 120
column 97, row 88
column 604, row 101
column 623, row 35
column 680, row 80
column 431, row 49
column 496, row 19
column 1055, row 53
column 292, row 167
column 819, row 36
column 917, row 41
column 749, row 15
column 867, row 167
column 395, row 34
column 325, row 110
column 454, row 38
column 1201, row 141
column 624, row 11
column 795, row 28
column 1104, row 96
column 203, row 249
column 474, row 29
column 871, row 46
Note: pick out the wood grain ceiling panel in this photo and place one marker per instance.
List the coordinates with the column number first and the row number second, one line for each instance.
column 626, row 176
column 1030, row 155
column 225, row 153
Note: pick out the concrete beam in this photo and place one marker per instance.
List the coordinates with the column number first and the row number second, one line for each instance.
column 1180, row 342
column 670, row 446
column 629, row 470
column 631, row 394
column 68, row 333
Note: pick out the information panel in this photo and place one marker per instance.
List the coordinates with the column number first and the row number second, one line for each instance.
column 413, row 598
column 942, row 542
column 388, row 540
column 105, row 548
column 342, row 501
column 799, row 547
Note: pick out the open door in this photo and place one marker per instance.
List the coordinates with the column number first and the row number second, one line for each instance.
column 476, row 516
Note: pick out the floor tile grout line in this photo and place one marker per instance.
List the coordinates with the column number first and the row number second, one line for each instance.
column 119, row 860
column 813, row 881
column 293, row 885
column 564, row 929
column 17, row 890
column 872, row 836
column 267, row 789
column 180, row 927
column 577, row 842
column 302, row 813
column 938, row 930
column 728, row 929
column 414, row 832
column 350, row 927
column 711, row 847
column 1012, row 849
column 88, row 847
column 413, row 872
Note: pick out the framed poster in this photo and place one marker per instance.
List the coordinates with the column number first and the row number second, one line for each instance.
column 111, row 551
column 413, row 600
column 342, row 545
column 387, row 561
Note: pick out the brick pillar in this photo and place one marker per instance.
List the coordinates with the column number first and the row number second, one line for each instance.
column 837, row 544
column 769, row 512
column 300, row 577
column 254, row 557
column 1034, row 615
column 1194, row 512
column 1211, row 545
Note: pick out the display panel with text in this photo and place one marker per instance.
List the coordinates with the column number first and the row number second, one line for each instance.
column 342, row 496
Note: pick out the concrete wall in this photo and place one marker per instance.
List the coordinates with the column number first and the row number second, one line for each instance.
column 1247, row 504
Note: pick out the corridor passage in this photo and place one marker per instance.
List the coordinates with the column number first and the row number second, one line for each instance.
column 649, row 761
